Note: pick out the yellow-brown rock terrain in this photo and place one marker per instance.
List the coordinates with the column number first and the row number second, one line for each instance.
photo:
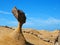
column 36, row 37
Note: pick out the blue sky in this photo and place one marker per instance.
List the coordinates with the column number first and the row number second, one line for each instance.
column 41, row 14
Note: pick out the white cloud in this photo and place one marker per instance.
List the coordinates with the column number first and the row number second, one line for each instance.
column 4, row 21
column 4, row 12
column 34, row 23
column 42, row 22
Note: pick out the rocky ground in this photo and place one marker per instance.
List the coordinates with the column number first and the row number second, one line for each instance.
column 36, row 37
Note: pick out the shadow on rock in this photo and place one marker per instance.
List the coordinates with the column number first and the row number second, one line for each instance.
column 28, row 43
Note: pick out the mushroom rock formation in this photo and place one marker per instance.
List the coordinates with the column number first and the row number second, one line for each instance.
column 17, row 34
column 15, row 37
